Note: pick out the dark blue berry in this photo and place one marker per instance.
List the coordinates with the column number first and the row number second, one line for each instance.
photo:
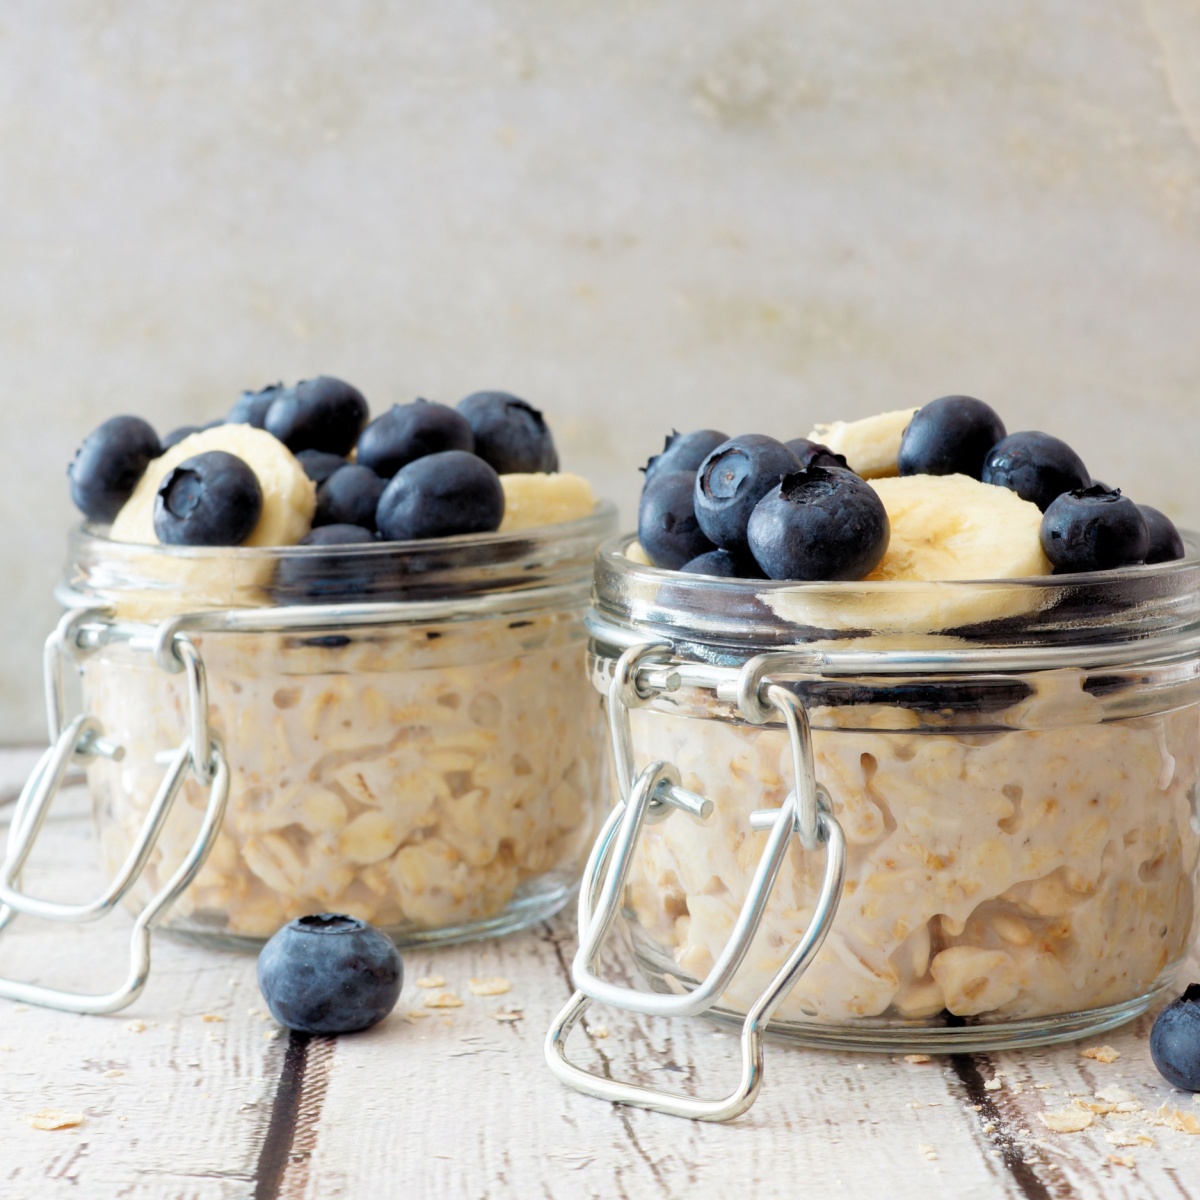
column 329, row 974
column 109, row 464
column 723, row 564
column 814, row 454
column 1175, row 1041
column 251, row 407
column 407, row 432
column 949, row 436
column 1165, row 543
column 441, row 495
column 318, row 465
column 211, row 499
column 733, row 479
column 823, row 523
column 177, row 435
column 1036, row 466
column 312, row 578
column 509, row 433
column 684, row 451
column 318, row 414
column 1093, row 530
column 667, row 526
column 349, row 496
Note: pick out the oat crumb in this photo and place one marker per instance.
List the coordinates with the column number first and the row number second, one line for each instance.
column 269, row 1035
column 55, row 1118
column 136, row 1026
column 928, row 1152
column 443, row 1000
column 1119, row 1137
column 489, row 985
column 417, row 1014
column 917, row 1058
column 431, row 981
column 990, row 1127
column 977, row 1108
column 1104, row 1054
column 508, row 1014
column 993, row 1085
column 114, row 1074
column 1100, row 1107
column 1066, row 1120
column 1176, row 1118
column 212, row 1018
column 1041, row 1087
column 600, row 1031
column 1121, row 1160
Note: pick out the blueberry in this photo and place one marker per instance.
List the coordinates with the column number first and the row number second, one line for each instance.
column 1165, row 543
column 814, row 454
column 723, row 564
column 1175, row 1041
column 329, row 974
column 441, row 495
column 1090, row 529
column 109, row 464
column 407, row 432
column 684, row 451
column 318, row 414
column 1036, row 466
column 950, row 436
column 667, row 526
column 211, row 499
column 509, row 434
column 318, row 465
column 320, row 578
column 733, row 479
column 177, row 435
column 251, row 407
column 823, row 523
column 349, row 497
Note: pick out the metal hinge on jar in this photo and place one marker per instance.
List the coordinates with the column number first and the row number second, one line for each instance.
column 653, row 795
column 79, row 739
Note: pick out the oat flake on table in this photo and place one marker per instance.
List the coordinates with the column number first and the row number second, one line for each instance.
column 431, row 981
column 1120, row 1160
column 1104, row 1054
column 1175, row 1118
column 1066, row 1120
column 55, row 1118
column 490, row 985
column 443, row 1000
column 917, row 1058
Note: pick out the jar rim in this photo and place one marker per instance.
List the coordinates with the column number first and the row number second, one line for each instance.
column 1125, row 602
column 150, row 582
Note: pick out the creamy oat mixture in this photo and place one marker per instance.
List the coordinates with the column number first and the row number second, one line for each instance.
column 1001, row 875
column 416, row 777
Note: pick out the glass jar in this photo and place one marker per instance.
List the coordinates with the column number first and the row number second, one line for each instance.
column 1013, row 767
column 408, row 728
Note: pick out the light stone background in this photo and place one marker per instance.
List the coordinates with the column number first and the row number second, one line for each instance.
column 637, row 215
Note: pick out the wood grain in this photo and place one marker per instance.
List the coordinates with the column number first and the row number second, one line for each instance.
column 458, row 1103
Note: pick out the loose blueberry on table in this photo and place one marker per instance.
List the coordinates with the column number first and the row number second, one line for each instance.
column 329, row 974
column 1175, row 1041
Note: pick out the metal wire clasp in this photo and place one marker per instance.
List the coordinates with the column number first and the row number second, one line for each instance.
column 653, row 795
column 76, row 740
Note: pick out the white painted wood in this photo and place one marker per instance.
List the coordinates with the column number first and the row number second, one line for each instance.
column 460, row 1104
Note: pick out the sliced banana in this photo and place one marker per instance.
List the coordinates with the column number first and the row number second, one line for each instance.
column 871, row 446
column 534, row 500
column 952, row 527
column 289, row 496
column 947, row 531
column 186, row 578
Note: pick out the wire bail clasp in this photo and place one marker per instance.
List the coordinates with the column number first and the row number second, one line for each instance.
column 653, row 795
column 76, row 740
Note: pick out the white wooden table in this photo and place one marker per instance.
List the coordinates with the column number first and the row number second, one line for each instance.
column 194, row 1092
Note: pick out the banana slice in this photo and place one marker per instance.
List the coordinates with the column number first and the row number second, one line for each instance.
column 289, row 496
column 871, row 446
column 947, row 531
column 533, row 500
column 185, row 579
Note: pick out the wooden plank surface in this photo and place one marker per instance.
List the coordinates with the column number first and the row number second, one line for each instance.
column 194, row 1093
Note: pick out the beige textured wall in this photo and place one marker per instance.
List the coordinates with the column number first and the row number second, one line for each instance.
column 635, row 214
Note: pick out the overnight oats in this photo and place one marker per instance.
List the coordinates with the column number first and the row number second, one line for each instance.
column 999, row 664
column 389, row 618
